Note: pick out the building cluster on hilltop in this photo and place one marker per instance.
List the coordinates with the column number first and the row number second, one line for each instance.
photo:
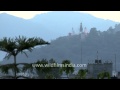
column 83, row 32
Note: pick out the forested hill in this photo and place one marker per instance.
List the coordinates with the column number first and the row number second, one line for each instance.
column 107, row 43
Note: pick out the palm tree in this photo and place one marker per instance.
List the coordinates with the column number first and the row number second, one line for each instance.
column 44, row 69
column 55, row 69
column 67, row 67
column 18, row 45
column 82, row 73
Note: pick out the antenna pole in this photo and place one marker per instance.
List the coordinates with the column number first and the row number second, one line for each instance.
column 81, row 50
column 81, row 30
column 115, row 62
column 97, row 55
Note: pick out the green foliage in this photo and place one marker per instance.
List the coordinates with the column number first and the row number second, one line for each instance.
column 27, row 67
column 67, row 67
column 19, row 44
column 49, row 76
column 5, row 68
column 29, row 44
column 41, row 69
column 103, row 75
column 52, row 61
column 56, row 72
column 13, row 46
column 82, row 74
column 43, row 66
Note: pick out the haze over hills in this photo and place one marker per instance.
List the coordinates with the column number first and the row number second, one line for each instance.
column 12, row 26
column 50, row 26
column 107, row 44
column 65, row 20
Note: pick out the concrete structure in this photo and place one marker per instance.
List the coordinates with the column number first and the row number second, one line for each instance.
column 95, row 68
column 118, row 76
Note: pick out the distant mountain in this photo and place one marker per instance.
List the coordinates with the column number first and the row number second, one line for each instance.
column 50, row 25
column 63, row 21
column 55, row 26
column 12, row 26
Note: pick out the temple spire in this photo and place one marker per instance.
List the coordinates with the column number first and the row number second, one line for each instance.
column 81, row 28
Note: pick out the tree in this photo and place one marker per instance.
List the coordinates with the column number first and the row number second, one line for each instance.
column 67, row 67
column 14, row 46
column 55, row 69
column 52, row 61
column 93, row 33
column 111, row 30
column 49, row 76
column 103, row 75
column 82, row 74
column 44, row 69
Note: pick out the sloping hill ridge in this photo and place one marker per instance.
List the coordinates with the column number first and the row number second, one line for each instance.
column 12, row 26
column 51, row 25
column 64, row 21
column 69, row 47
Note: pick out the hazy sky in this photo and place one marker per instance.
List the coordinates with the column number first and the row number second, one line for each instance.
column 112, row 15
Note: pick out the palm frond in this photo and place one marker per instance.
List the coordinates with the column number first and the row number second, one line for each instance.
column 27, row 67
column 24, row 53
column 4, row 69
column 7, row 56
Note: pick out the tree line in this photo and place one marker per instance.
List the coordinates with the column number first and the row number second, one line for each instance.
column 14, row 46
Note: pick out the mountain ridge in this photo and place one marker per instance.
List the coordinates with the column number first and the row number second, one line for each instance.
column 57, row 23
column 49, row 27
column 74, row 17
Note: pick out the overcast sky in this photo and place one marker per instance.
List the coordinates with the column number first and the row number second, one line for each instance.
column 111, row 15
